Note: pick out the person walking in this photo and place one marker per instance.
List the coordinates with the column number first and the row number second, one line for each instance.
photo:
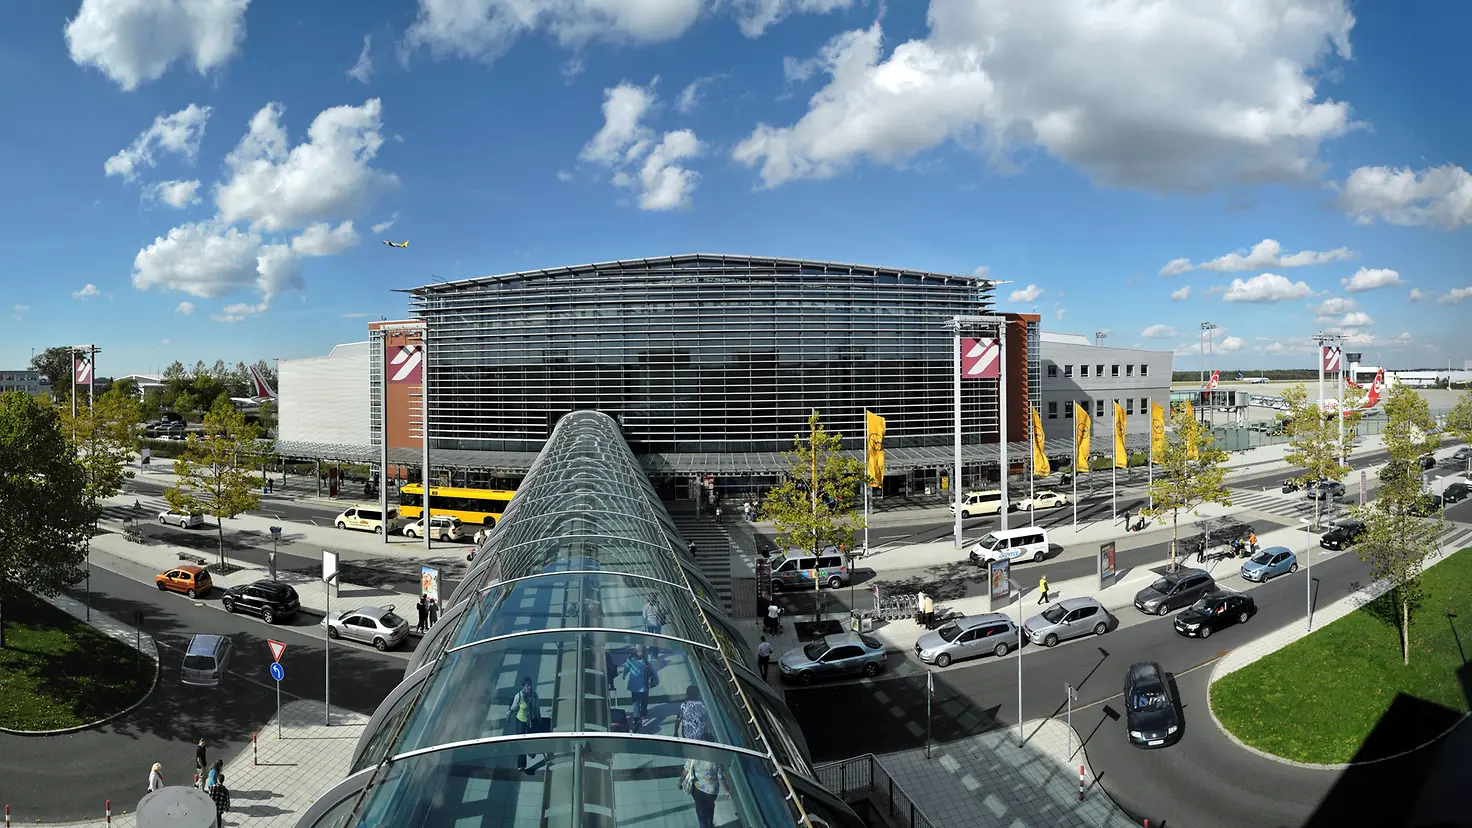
column 522, row 716
column 718, row 514
column 703, row 781
column 433, row 605
column 217, row 770
column 155, row 777
column 773, row 626
column 694, row 722
column 653, row 620
column 1043, row 590
column 1252, row 541
column 221, row 795
column 423, row 607
column 640, row 678
column 200, row 764
column 764, row 656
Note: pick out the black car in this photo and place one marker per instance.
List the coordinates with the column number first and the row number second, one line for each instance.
column 1425, row 505
column 1215, row 611
column 271, row 600
column 1455, row 492
column 1428, row 461
column 1174, row 590
column 1151, row 712
column 1343, row 535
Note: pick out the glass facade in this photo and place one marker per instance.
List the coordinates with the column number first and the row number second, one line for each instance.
column 702, row 353
column 578, row 675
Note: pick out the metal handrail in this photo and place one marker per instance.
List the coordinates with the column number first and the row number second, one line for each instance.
column 865, row 777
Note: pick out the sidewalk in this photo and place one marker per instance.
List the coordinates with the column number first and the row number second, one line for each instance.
column 293, row 770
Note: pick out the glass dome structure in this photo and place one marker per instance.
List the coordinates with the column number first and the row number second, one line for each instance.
column 643, row 703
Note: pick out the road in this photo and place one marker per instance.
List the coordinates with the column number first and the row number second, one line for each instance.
column 1202, row 782
column 68, row 777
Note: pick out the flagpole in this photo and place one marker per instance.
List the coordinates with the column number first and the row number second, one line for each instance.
column 1032, row 470
column 1114, row 477
column 868, row 452
column 956, row 479
column 1002, row 415
column 1074, row 464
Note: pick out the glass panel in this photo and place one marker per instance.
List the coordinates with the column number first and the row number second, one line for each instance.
column 607, row 600
column 377, row 745
column 781, row 729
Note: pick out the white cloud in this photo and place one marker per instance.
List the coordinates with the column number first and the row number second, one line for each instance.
column 179, row 133
column 1230, row 343
column 1437, row 197
column 1370, row 279
column 1181, row 294
column 1265, row 287
column 756, row 16
column 690, row 96
column 1062, row 312
column 663, row 183
column 325, row 240
column 1027, row 294
column 187, row 308
column 1269, row 253
column 623, row 142
column 1176, row 267
column 981, row 270
column 384, row 225
column 624, row 107
column 19, row 311
column 134, row 41
column 362, row 70
column 1357, row 319
column 230, row 317
column 1454, row 296
column 1417, row 295
column 279, row 188
column 564, row 175
column 1231, row 95
column 88, row 291
column 1158, row 332
column 177, row 194
column 1403, row 337
column 485, row 29
column 209, row 260
column 1275, row 348
column 357, row 316
column 1336, row 305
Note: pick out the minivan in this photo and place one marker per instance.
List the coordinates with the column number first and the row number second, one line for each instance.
column 206, row 660
column 982, row 503
column 1029, row 543
column 794, row 568
column 369, row 519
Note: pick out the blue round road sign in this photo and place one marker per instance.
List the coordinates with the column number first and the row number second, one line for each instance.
column 277, row 672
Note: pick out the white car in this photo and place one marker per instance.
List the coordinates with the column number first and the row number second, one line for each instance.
column 446, row 528
column 1043, row 500
column 181, row 520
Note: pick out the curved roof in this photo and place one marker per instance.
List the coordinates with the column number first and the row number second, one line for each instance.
column 578, row 673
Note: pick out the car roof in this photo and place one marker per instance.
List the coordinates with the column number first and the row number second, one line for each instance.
column 203, row 644
column 1075, row 603
column 1273, row 550
column 193, row 569
column 369, row 612
column 966, row 622
column 842, row 639
column 1182, row 572
column 1147, row 670
column 273, row 586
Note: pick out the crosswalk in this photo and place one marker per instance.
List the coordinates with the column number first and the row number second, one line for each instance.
column 1295, row 505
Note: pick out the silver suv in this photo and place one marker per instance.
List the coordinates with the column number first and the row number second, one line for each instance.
column 378, row 626
column 967, row 637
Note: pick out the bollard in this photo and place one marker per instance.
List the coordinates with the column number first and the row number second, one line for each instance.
column 254, row 757
column 1080, row 783
column 7, row 816
column 109, row 812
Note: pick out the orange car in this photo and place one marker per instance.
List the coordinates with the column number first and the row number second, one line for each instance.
column 189, row 579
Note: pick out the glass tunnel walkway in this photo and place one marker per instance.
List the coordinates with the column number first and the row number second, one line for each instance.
column 563, row 597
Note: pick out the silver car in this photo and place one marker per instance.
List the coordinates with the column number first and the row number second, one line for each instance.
column 378, row 626
column 834, row 655
column 967, row 637
column 180, row 519
column 1069, row 618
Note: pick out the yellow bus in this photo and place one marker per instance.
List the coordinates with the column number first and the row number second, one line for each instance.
column 469, row 505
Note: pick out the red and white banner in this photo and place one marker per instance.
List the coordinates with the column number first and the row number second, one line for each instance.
column 981, row 358
column 1333, row 358
column 404, row 363
column 83, row 371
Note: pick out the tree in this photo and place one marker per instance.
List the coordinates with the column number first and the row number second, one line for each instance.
column 55, row 364
column 1397, row 540
column 815, row 505
column 1459, row 423
column 44, row 514
column 1190, row 474
column 106, row 438
column 214, row 470
column 1313, row 440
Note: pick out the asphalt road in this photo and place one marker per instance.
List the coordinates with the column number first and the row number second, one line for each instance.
column 68, row 777
column 1204, row 781
column 278, row 506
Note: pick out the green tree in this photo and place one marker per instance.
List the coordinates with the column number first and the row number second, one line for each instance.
column 44, row 513
column 55, row 364
column 106, row 439
column 266, row 417
column 1313, row 440
column 1397, row 538
column 214, row 470
column 1459, row 423
column 815, row 505
column 1190, row 474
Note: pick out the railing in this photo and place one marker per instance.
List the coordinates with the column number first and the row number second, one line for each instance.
column 863, row 777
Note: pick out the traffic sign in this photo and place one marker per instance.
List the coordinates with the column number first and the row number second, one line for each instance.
column 277, row 671
column 277, row 650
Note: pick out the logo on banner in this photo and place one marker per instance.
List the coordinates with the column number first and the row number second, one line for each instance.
column 1332, row 357
column 404, row 362
column 981, row 358
column 84, row 371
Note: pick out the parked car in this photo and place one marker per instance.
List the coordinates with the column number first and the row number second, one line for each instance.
column 842, row 654
column 967, row 637
column 1455, row 493
column 1151, row 715
column 379, row 626
column 189, row 579
column 1214, row 612
column 974, row 504
column 1425, row 506
column 1427, row 461
column 1174, row 590
column 1343, row 535
column 1046, row 499
column 181, row 519
column 1327, row 490
column 1069, row 618
column 1462, row 454
column 1269, row 563
column 446, row 528
column 1394, row 470
column 271, row 600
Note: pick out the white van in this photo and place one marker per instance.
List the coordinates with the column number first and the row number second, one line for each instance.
column 982, row 503
column 206, row 660
column 369, row 519
column 1029, row 543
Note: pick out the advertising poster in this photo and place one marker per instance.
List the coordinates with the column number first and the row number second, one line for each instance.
column 1107, row 568
column 999, row 581
column 429, row 582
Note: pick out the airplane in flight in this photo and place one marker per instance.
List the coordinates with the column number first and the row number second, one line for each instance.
column 404, row 243
column 1251, row 380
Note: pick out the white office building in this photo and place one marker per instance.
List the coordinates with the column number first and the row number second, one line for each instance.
column 324, row 404
column 1096, row 377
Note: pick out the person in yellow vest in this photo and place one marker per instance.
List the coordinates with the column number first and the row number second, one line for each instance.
column 1043, row 590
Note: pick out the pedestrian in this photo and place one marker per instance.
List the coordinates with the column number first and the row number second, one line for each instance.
column 653, row 620
column 929, row 612
column 1252, row 540
column 433, row 605
column 610, row 668
column 718, row 514
column 221, row 795
column 641, row 678
column 1043, row 590
column 423, row 607
column 200, row 763
column 522, row 715
column 694, row 721
column 217, row 770
column 155, row 777
column 1126, row 519
column 773, row 626
column 764, row 656
column 703, row 781
column 690, row 547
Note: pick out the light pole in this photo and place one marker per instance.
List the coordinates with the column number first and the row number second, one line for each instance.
column 1020, row 739
column 1308, row 580
column 275, row 538
column 1440, row 533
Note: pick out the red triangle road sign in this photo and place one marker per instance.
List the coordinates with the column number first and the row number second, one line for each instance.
column 277, row 649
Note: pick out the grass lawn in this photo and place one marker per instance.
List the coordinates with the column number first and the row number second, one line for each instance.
column 57, row 671
column 1320, row 698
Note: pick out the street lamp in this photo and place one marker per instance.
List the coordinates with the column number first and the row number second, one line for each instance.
column 275, row 538
column 1308, row 580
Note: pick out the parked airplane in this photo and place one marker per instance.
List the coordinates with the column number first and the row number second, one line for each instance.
column 1377, row 387
column 1215, row 376
column 261, row 392
column 1251, row 380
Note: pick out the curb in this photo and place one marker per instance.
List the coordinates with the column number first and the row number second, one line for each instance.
column 152, row 688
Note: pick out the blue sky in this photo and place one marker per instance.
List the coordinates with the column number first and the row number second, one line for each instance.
column 1078, row 150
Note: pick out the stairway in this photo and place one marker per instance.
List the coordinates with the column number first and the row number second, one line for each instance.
column 713, row 547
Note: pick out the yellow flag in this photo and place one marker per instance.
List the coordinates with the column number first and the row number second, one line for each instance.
column 1192, row 451
column 1040, row 465
column 874, row 451
column 1082, row 427
column 1121, row 454
column 1157, row 430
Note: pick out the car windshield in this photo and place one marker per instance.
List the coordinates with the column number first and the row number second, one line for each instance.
column 815, row 650
column 1161, row 585
column 1148, row 699
column 1262, row 558
column 390, row 620
column 1206, row 604
column 949, row 632
column 1054, row 614
column 198, row 662
column 988, row 542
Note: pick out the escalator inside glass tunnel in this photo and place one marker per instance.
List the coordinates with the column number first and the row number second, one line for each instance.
column 645, row 709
